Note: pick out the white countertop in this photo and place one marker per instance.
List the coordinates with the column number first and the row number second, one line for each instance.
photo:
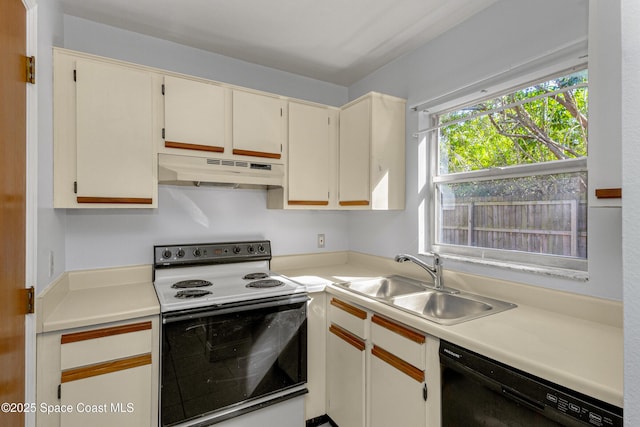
column 85, row 298
column 579, row 347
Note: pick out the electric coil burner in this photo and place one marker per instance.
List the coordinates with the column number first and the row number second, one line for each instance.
column 234, row 336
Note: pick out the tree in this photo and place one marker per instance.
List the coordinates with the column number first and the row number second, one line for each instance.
column 541, row 123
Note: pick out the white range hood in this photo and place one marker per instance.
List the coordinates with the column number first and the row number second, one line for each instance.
column 188, row 170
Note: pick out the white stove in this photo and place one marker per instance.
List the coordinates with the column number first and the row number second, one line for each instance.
column 233, row 336
column 212, row 274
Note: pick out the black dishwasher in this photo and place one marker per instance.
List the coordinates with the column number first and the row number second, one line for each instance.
column 478, row 391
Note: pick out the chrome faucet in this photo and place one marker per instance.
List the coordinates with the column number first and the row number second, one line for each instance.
column 435, row 270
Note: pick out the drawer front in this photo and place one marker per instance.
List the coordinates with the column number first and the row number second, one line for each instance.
column 402, row 341
column 348, row 317
column 102, row 345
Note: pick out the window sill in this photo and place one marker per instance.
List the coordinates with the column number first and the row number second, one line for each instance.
column 575, row 275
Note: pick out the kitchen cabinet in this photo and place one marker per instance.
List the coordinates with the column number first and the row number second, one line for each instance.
column 195, row 115
column 346, row 364
column 397, row 382
column 103, row 134
column 312, row 159
column 372, row 153
column 105, row 374
column 259, row 125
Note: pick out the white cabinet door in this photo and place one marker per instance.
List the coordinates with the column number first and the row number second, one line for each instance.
column 259, row 125
column 194, row 115
column 121, row 398
column 346, row 378
column 398, row 397
column 308, row 155
column 354, row 154
column 114, row 119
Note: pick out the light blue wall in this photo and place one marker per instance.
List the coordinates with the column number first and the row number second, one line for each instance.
column 50, row 222
column 87, row 36
column 499, row 39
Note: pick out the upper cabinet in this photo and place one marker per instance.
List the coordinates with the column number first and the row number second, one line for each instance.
column 103, row 134
column 120, row 128
column 195, row 115
column 372, row 153
column 259, row 125
column 312, row 172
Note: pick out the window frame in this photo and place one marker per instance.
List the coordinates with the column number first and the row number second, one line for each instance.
column 548, row 264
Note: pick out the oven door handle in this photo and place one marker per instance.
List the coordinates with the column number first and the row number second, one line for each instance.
column 235, row 307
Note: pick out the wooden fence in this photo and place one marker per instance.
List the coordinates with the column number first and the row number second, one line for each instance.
column 557, row 227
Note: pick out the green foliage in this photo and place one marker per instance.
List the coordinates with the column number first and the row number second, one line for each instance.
column 550, row 128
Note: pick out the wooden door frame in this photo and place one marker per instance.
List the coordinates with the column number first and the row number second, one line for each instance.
column 31, row 209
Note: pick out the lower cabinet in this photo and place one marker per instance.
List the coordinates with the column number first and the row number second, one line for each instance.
column 346, row 378
column 103, row 375
column 346, row 363
column 379, row 371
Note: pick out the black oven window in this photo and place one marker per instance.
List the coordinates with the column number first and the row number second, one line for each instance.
column 214, row 361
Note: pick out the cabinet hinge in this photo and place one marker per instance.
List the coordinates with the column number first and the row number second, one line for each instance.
column 281, row 112
column 281, row 148
column 75, row 76
column 31, row 306
column 75, row 187
column 31, row 69
column 163, row 88
column 425, row 392
column 162, row 133
column 59, row 391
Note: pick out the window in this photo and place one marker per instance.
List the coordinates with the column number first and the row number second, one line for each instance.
column 510, row 179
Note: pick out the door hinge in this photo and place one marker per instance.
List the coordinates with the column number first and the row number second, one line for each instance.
column 31, row 306
column 75, row 187
column 280, row 112
column 31, row 69
column 162, row 133
column 425, row 392
column 74, row 76
column 59, row 391
column 163, row 88
column 281, row 148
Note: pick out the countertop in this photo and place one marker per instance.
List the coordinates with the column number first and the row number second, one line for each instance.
column 92, row 297
column 569, row 339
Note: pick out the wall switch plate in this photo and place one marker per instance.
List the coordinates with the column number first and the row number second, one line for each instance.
column 321, row 240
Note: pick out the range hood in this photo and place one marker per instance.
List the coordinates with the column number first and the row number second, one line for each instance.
column 189, row 170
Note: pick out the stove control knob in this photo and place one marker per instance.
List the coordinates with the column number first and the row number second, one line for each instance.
column 236, row 250
column 197, row 252
column 180, row 253
column 166, row 254
column 261, row 248
column 250, row 249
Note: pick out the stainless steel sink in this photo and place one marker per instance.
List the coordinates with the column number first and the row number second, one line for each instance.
column 385, row 287
column 440, row 307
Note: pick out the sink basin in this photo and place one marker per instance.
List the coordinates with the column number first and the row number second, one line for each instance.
column 449, row 309
column 385, row 287
column 414, row 297
column 441, row 306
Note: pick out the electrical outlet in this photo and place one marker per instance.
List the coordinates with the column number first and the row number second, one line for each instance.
column 321, row 240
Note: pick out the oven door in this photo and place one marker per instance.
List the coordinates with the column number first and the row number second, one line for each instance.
column 224, row 361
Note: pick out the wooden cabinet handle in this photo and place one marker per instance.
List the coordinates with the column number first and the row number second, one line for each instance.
column 257, row 154
column 609, row 193
column 104, row 332
column 308, row 202
column 347, row 337
column 198, row 147
column 361, row 314
column 105, row 368
column 398, row 363
column 118, row 200
column 354, row 203
column 398, row 329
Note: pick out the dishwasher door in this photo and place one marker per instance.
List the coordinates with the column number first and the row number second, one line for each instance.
column 478, row 391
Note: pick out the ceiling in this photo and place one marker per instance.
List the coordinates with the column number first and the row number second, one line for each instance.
column 336, row 41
